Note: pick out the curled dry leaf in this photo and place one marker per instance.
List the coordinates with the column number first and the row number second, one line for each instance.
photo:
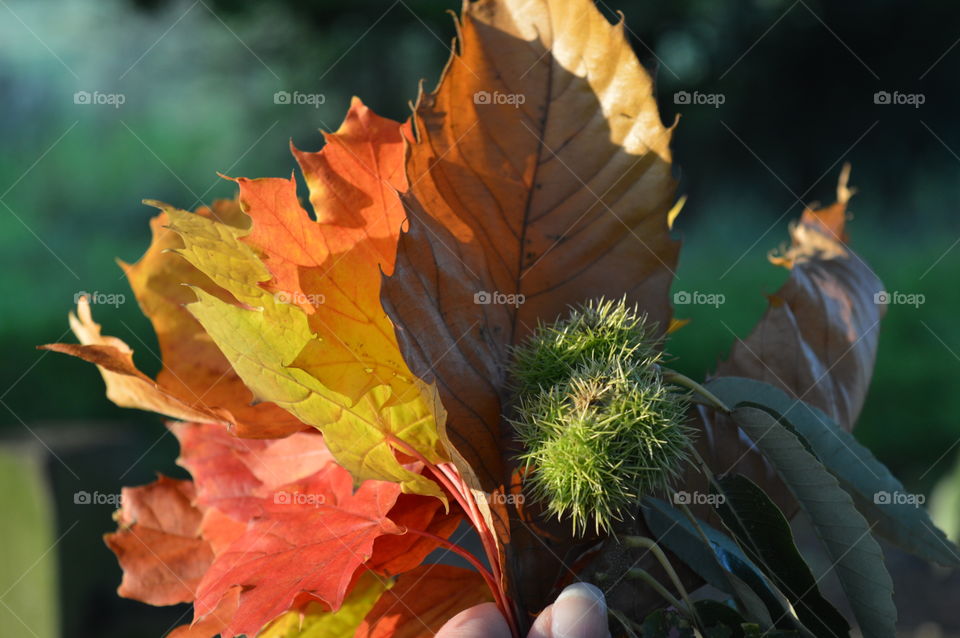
column 126, row 385
column 817, row 340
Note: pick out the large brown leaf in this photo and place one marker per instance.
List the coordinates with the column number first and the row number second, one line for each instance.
column 540, row 169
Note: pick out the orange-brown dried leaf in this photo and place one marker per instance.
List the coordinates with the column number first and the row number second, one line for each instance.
column 817, row 340
column 159, row 545
column 126, row 385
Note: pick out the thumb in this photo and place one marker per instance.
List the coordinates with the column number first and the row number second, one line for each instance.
column 579, row 612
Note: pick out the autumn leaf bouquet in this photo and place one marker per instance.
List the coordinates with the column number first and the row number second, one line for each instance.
column 464, row 334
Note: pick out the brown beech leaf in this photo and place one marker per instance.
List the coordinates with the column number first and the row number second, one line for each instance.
column 818, row 339
column 422, row 600
column 540, row 177
column 159, row 544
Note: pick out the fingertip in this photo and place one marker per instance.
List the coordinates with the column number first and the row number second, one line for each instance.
column 481, row 621
column 580, row 612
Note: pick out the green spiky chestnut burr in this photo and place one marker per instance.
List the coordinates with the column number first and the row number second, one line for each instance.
column 599, row 425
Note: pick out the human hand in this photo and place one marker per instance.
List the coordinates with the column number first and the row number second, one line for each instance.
column 580, row 611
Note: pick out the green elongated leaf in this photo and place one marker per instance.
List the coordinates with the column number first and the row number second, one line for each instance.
column 765, row 536
column 881, row 498
column 721, row 562
column 844, row 532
